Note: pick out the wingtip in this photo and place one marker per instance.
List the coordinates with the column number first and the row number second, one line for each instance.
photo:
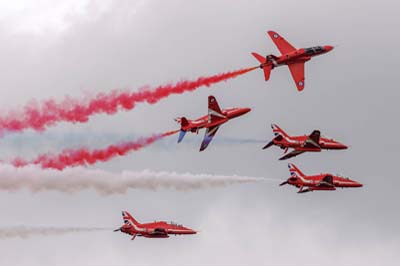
column 300, row 86
column 273, row 34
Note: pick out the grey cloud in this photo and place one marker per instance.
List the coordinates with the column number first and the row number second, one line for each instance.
column 351, row 94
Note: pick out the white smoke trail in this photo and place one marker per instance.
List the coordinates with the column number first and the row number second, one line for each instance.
column 73, row 180
column 27, row 232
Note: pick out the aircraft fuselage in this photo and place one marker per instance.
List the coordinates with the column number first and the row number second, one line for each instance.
column 203, row 122
column 156, row 230
column 296, row 142
column 317, row 182
column 299, row 56
column 313, row 181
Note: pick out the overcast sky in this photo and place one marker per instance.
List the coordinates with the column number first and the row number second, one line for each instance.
column 50, row 49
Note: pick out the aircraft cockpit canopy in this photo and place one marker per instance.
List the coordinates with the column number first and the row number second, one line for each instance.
column 175, row 224
column 314, row 50
column 338, row 175
column 327, row 137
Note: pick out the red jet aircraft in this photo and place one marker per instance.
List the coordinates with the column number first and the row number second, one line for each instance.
column 211, row 122
column 300, row 144
column 290, row 56
column 151, row 230
column 317, row 182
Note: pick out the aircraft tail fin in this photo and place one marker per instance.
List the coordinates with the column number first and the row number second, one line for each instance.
column 128, row 219
column 294, row 171
column 278, row 131
column 184, row 123
column 279, row 134
column 266, row 68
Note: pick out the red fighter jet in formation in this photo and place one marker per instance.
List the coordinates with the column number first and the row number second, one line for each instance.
column 211, row 122
column 300, row 144
column 317, row 182
column 151, row 230
column 290, row 56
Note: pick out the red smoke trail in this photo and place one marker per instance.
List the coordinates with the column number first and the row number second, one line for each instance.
column 38, row 116
column 86, row 157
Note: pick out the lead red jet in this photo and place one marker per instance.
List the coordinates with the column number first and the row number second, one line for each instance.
column 300, row 144
column 290, row 56
column 211, row 122
column 317, row 182
column 159, row 229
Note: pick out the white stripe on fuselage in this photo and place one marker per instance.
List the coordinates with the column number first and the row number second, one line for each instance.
column 288, row 139
column 136, row 227
column 304, row 180
column 212, row 131
column 198, row 122
column 212, row 112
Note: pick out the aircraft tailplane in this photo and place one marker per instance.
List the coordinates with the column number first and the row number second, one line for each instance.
column 266, row 68
column 184, row 123
column 267, row 71
column 182, row 134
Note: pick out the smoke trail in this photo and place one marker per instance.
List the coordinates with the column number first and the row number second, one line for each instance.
column 73, row 180
column 83, row 156
column 27, row 232
column 38, row 116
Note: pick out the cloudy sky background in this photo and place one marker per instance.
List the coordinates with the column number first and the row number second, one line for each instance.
column 49, row 50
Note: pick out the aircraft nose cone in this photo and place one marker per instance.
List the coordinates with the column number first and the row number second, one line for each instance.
column 357, row 184
column 328, row 48
column 246, row 110
column 342, row 146
column 190, row 231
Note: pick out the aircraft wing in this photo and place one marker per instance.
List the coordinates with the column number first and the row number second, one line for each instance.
column 291, row 154
column 283, row 46
column 210, row 133
column 313, row 140
column 327, row 181
column 297, row 71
